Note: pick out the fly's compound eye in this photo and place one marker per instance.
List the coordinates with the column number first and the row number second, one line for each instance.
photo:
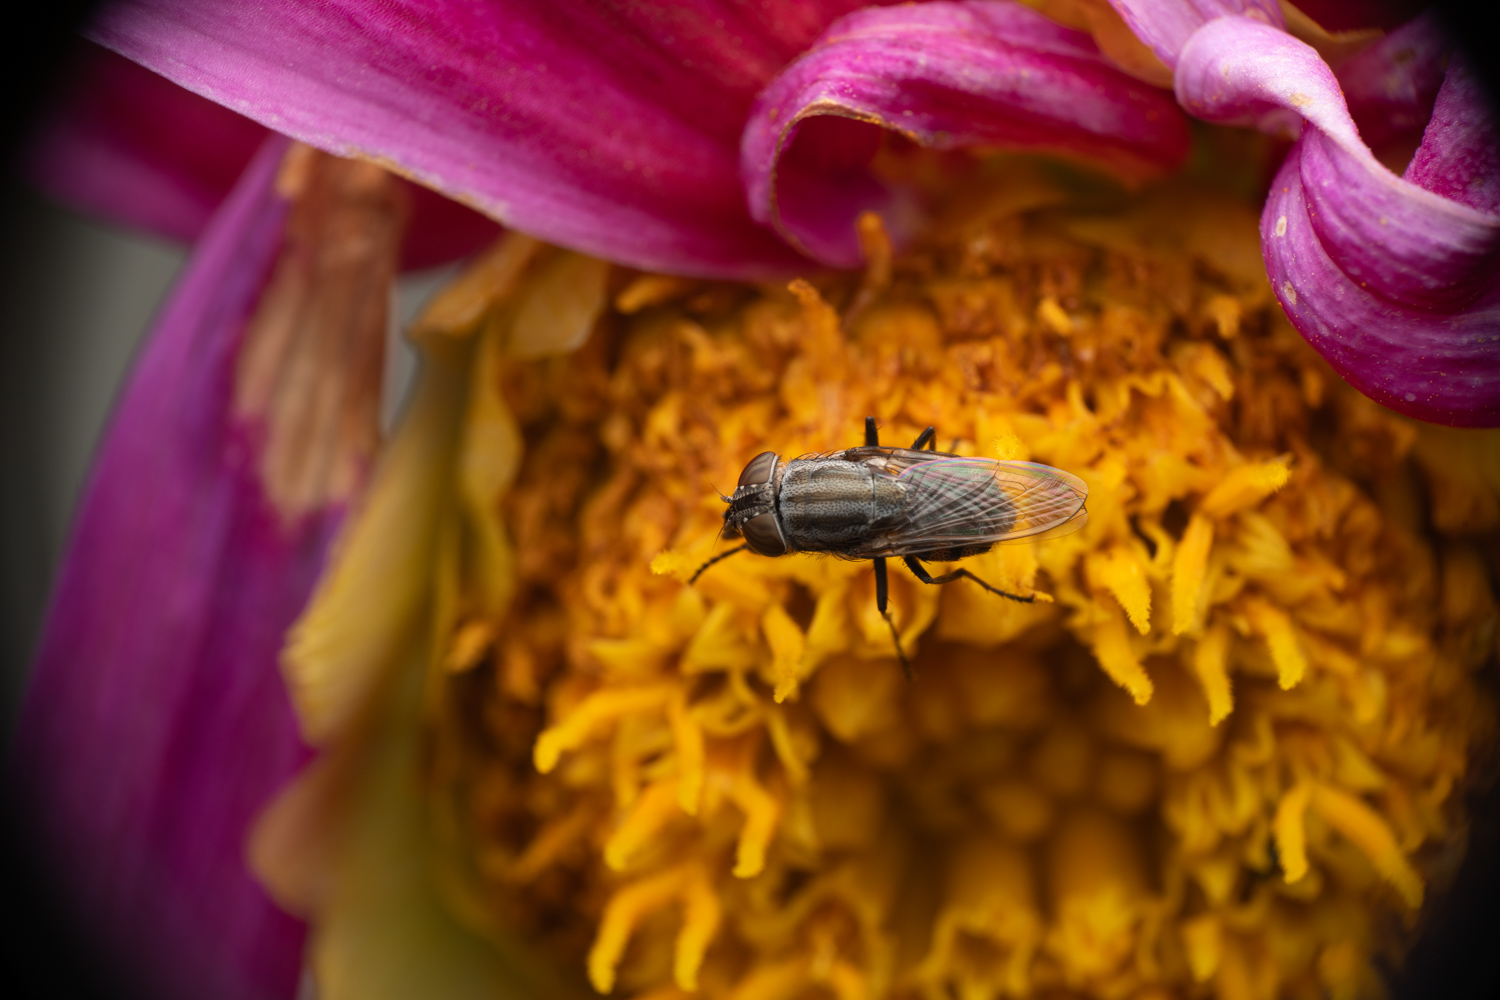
column 759, row 470
column 762, row 533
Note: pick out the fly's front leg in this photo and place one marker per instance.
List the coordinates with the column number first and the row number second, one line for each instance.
column 921, row 574
column 721, row 556
column 882, row 594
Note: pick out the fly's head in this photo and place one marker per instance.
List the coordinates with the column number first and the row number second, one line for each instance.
column 752, row 508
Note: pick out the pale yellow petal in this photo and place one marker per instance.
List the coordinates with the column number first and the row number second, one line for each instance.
column 557, row 308
column 701, row 913
column 762, row 810
column 688, row 737
column 1291, row 833
column 488, row 459
column 1364, row 827
column 787, row 647
column 1202, row 939
column 376, row 588
column 1276, row 626
column 1123, row 573
column 458, row 309
column 1112, row 650
column 1210, row 664
column 625, row 910
column 648, row 814
column 1189, row 569
column 596, row 710
column 1245, row 486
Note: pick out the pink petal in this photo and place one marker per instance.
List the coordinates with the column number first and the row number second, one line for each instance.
column 128, row 145
column 946, row 75
column 1390, row 87
column 613, row 129
column 1166, row 25
column 1460, row 153
column 1393, row 283
column 1351, row 15
column 157, row 724
column 133, row 147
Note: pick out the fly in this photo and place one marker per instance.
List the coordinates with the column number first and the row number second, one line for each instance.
column 881, row 503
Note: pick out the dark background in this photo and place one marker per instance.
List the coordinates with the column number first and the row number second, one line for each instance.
column 47, row 429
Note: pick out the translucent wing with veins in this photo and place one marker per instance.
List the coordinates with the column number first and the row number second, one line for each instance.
column 955, row 504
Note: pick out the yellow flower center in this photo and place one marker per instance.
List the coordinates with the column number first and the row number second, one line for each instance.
column 1215, row 750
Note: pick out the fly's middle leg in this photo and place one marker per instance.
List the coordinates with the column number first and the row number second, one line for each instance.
column 921, row 573
column 927, row 439
column 882, row 595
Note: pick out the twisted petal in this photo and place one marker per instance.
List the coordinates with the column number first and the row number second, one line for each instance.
column 946, row 75
column 612, row 129
column 1166, row 25
column 1391, row 279
column 157, row 724
column 1390, row 87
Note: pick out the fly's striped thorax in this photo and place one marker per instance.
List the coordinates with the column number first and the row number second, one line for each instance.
column 828, row 504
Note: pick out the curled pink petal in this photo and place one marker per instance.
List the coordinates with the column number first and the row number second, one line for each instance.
column 1393, row 281
column 1436, row 367
column 609, row 128
column 1166, row 25
column 1459, row 158
column 157, row 725
column 1390, row 87
column 946, row 75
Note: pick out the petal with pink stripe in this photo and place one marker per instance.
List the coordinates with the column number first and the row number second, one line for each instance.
column 946, row 75
column 1392, row 279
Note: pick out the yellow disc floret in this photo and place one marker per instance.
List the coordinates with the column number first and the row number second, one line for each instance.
column 1220, row 751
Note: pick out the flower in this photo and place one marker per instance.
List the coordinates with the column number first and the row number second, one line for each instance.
column 606, row 135
column 581, row 149
column 1190, row 761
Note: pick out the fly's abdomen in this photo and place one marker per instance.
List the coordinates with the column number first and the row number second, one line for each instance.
column 828, row 505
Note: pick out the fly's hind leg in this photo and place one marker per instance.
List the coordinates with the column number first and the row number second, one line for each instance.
column 927, row 439
column 913, row 564
column 872, row 434
column 882, row 592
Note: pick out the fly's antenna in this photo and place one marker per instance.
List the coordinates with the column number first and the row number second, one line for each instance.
column 721, row 556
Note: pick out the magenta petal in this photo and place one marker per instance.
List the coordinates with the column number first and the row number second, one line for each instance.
column 947, row 75
column 610, row 128
column 1166, row 25
column 1459, row 158
column 1390, row 87
column 128, row 145
column 157, row 725
column 1443, row 368
column 1393, row 283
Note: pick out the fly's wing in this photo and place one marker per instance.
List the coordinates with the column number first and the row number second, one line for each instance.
column 960, row 502
column 893, row 461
